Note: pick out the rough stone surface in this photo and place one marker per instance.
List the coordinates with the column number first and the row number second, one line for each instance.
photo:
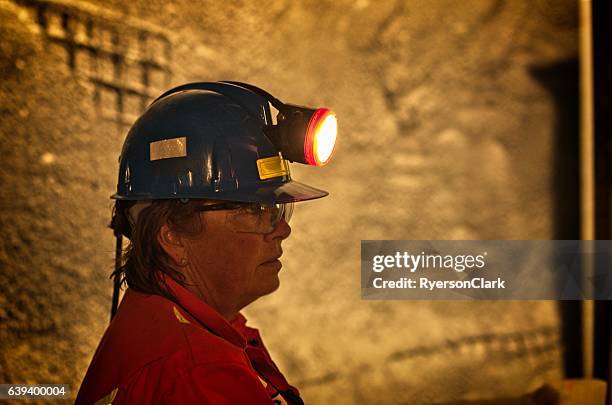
column 445, row 134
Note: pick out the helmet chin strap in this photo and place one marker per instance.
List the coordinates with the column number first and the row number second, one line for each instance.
column 133, row 213
column 117, row 277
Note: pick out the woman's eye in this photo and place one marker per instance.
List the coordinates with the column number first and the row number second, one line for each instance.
column 252, row 209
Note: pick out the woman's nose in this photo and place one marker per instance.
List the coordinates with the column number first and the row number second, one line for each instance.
column 281, row 231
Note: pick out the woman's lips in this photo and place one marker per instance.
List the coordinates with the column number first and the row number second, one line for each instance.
column 275, row 260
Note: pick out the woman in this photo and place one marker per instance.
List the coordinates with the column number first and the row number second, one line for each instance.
column 205, row 199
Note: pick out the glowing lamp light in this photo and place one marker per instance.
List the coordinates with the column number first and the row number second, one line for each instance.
column 320, row 138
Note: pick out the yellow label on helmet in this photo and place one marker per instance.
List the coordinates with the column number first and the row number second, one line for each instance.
column 271, row 167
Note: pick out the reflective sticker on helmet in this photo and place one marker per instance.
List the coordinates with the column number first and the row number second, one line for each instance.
column 168, row 148
column 270, row 167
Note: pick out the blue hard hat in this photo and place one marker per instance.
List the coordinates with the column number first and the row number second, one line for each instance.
column 206, row 140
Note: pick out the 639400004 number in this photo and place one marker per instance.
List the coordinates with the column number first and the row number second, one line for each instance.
column 34, row 391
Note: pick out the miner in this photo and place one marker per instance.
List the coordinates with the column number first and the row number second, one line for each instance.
column 204, row 196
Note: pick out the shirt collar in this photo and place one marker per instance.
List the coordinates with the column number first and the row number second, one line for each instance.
column 204, row 314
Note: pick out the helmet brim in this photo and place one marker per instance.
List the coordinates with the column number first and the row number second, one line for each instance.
column 291, row 191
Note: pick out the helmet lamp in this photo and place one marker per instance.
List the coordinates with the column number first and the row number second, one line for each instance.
column 302, row 134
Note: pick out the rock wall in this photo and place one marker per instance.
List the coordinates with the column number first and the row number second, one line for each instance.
column 446, row 133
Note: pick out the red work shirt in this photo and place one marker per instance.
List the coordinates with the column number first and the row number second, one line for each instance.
column 162, row 352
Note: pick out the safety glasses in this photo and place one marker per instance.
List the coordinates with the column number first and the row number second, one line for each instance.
column 251, row 217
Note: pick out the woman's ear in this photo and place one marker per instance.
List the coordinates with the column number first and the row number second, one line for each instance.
column 171, row 243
